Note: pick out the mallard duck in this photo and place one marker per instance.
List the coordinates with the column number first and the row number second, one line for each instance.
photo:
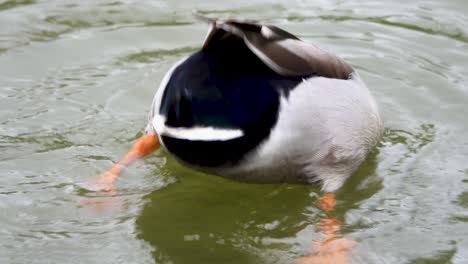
column 257, row 104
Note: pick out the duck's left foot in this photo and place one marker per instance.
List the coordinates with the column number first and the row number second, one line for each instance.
column 104, row 182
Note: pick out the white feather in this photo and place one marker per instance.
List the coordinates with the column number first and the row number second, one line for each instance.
column 195, row 133
column 325, row 129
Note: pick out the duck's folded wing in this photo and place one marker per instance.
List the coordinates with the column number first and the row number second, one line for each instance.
column 280, row 50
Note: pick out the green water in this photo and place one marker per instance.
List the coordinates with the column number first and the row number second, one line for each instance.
column 77, row 79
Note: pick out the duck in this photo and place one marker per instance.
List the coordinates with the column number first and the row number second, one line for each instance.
column 257, row 104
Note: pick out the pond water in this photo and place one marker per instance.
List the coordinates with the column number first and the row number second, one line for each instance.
column 76, row 82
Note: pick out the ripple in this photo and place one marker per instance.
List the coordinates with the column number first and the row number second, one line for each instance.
column 15, row 3
column 440, row 257
column 387, row 21
column 463, row 199
column 413, row 141
column 460, row 219
column 94, row 157
column 65, row 19
column 154, row 55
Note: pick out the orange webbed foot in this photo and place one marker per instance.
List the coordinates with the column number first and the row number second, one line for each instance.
column 104, row 203
column 112, row 200
column 105, row 182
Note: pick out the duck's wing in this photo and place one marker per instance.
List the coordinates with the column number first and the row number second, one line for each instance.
column 280, row 50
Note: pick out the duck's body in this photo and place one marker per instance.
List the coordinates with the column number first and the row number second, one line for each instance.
column 257, row 104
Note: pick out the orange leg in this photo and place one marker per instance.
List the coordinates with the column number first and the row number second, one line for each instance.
column 144, row 146
column 332, row 249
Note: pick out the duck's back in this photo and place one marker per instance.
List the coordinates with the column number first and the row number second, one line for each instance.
column 257, row 104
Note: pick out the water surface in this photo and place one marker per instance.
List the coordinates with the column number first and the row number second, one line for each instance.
column 76, row 82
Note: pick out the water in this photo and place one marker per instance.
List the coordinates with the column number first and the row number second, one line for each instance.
column 76, row 82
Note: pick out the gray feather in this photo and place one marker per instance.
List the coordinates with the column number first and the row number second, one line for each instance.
column 280, row 50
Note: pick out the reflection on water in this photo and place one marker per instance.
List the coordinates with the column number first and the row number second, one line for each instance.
column 208, row 219
column 212, row 226
column 76, row 81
